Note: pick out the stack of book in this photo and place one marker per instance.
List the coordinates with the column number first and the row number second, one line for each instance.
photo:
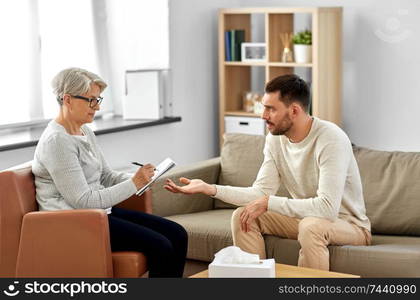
column 233, row 40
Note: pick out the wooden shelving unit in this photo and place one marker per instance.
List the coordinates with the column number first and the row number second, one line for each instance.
column 326, row 65
column 240, row 113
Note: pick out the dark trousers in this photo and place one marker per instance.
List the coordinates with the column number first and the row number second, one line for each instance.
column 164, row 242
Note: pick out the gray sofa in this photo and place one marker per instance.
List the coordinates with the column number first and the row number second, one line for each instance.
column 391, row 183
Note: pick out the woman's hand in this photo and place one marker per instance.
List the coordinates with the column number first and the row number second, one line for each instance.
column 193, row 186
column 143, row 175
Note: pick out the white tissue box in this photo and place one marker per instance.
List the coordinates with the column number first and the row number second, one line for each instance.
column 265, row 269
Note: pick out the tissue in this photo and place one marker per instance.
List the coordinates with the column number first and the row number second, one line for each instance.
column 233, row 262
column 234, row 255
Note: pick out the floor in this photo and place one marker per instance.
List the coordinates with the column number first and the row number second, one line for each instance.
column 191, row 267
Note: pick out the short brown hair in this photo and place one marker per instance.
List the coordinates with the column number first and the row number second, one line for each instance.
column 292, row 88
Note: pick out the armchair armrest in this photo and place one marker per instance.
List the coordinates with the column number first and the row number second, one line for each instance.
column 141, row 203
column 66, row 243
column 166, row 203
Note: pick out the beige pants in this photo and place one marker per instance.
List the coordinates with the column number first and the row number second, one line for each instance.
column 313, row 234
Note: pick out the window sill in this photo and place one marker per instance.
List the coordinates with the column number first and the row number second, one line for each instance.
column 29, row 136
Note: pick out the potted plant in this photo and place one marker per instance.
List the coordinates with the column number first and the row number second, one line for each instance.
column 302, row 46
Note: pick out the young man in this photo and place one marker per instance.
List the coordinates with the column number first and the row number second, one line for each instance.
column 314, row 160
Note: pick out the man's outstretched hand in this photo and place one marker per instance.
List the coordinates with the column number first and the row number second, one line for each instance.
column 192, row 186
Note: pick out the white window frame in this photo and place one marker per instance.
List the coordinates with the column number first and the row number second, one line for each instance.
column 36, row 112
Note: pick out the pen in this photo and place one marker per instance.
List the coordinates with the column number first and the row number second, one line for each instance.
column 140, row 165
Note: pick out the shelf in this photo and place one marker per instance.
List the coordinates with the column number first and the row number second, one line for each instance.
column 245, row 64
column 271, row 64
column 241, row 114
column 290, row 65
column 324, row 72
column 270, row 10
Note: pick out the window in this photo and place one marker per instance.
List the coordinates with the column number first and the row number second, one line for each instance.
column 67, row 40
column 16, row 61
column 42, row 37
column 136, row 37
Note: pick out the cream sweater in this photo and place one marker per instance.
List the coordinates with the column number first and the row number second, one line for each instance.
column 320, row 173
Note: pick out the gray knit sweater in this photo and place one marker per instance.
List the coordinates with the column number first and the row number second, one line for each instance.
column 71, row 173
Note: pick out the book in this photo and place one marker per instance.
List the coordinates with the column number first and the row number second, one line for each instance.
column 235, row 37
column 161, row 169
column 232, row 45
column 227, row 45
column 239, row 39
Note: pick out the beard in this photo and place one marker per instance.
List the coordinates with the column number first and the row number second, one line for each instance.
column 283, row 126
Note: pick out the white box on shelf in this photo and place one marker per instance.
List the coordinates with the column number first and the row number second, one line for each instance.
column 246, row 125
column 265, row 269
column 145, row 94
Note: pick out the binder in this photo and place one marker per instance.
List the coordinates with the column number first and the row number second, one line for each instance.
column 145, row 94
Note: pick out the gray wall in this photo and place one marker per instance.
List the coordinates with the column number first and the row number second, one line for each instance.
column 380, row 69
column 15, row 157
column 380, row 74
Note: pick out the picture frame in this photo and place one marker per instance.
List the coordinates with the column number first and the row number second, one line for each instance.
column 253, row 52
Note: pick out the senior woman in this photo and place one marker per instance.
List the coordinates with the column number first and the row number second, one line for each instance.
column 71, row 173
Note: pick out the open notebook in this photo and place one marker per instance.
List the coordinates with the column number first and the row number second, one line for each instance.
column 161, row 169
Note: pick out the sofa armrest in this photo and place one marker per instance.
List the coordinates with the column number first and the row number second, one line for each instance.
column 166, row 203
column 141, row 203
column 66, row 243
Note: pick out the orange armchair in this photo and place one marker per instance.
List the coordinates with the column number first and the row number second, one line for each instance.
column 66, row 243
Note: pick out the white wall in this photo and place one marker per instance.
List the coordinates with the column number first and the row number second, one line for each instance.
column 380, row 77
column 193, row 59
column 380, row 74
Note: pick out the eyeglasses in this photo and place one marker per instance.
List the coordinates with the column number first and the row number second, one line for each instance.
column 92, row 101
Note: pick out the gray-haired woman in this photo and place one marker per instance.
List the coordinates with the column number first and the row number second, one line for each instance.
column 71, row 173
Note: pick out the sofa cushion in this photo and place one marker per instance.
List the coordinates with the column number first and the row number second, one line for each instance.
column 391, row 188
column 166, row 203
column 388, row 256
column 241, row 159
column 285, row 251
column 208, row 232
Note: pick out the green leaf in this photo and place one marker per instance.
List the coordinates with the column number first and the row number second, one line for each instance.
column 303, row 38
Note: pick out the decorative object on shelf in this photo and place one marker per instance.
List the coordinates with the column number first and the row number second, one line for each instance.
column 250, row 99
column 252, row 52
column 302, row 46
column 286, row 41
column 233, row 40
column 258, row 107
